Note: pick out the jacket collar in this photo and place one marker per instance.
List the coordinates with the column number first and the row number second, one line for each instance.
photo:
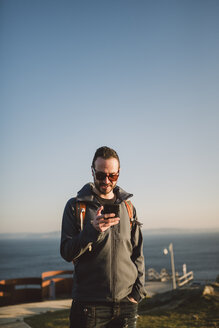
column 86, row 194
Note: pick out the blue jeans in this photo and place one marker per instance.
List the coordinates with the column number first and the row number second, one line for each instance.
column 106, row 315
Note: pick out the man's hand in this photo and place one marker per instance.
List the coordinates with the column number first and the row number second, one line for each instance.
column 102, row 222
column 131, row 299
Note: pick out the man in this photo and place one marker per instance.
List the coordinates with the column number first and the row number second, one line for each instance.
column 106, row 251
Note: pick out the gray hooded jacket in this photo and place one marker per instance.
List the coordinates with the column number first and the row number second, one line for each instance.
column 109, row 265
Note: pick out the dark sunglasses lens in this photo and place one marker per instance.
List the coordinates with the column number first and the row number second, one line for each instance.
column 113, row 177
column 100, row 175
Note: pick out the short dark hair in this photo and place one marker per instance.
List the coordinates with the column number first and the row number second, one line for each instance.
column 105, row 153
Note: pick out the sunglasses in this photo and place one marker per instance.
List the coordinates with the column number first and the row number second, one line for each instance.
column 102, row 176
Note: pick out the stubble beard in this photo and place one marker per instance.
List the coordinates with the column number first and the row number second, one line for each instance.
column 102, row 190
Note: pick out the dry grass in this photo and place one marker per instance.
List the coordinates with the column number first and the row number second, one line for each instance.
column 179, row 309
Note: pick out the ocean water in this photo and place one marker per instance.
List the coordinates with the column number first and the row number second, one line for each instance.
column 199, row 251
column 30, row 257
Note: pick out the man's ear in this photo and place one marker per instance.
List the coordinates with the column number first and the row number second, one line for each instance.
column 92, row 171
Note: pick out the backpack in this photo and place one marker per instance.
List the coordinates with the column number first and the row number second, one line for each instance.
column 81, row 211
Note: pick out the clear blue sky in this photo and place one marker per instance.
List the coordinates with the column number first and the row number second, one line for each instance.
column 139, row 76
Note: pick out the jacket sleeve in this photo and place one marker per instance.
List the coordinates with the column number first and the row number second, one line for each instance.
column 74, row 242
column 138, row 290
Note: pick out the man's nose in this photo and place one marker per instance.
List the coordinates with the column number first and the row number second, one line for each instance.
column 106, row 180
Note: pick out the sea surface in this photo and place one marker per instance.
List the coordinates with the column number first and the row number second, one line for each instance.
column 29, row 257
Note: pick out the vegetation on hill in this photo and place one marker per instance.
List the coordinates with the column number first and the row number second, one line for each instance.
column 180, row 308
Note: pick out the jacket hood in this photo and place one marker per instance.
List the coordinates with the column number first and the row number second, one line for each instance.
column 86, row 193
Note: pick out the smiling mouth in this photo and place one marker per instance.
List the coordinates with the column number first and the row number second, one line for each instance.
column 104, row 186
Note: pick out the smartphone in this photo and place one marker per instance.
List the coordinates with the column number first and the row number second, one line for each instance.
column 111, row 208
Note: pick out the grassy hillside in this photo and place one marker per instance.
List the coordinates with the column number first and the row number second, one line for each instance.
column 181, row 308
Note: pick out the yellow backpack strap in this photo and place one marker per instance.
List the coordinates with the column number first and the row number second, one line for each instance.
column 80, row 214
column 129, row 207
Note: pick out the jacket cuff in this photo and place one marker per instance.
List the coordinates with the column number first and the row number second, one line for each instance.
column 92, row 235
column 95, row 233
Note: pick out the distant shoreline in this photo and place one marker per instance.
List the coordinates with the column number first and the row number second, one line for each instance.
column 57, row 234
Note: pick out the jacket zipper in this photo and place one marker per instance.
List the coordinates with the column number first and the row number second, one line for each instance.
column 113, row 258
column 113, row 261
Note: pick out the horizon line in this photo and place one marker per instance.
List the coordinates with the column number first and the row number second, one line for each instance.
column 162, row 229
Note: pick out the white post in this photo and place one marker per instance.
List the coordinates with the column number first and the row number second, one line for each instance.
column 172, row 265
column 184, row 269
column 52, row 292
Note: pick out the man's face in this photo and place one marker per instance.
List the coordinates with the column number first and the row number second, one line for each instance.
column 108, row 166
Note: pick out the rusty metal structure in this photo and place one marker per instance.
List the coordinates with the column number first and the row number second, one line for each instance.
column 51, row 285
